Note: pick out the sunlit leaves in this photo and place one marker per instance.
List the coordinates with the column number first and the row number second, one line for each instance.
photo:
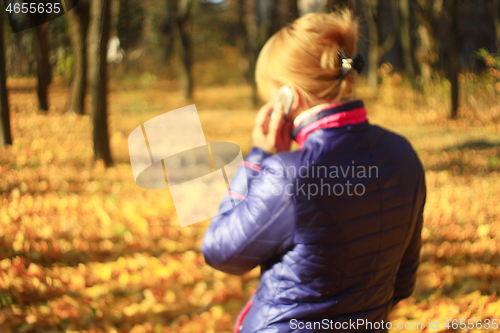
column 82, row 248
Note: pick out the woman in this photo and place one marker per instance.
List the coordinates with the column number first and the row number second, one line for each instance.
column 335, row 225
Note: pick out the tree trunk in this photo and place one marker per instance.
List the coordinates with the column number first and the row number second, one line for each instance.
column 5, row 133
column 169, row 28
column 98, row 39
column 243, row 38
column 429, row 14
column 496, row 15
column 274, row 21
column 375, row 50
column 293, row 10
column 373, row 56
column 183, row 20
column 43, row 67
column 78, row 22
column 256, row 35
column 148, row 29
column 454, row 54
column 248, row 45
column 373, row 61
column 403, row 12
column 340, row 4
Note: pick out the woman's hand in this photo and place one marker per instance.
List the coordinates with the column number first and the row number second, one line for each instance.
column 272, row 135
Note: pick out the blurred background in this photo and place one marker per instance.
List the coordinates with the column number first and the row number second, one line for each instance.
column 83, row 249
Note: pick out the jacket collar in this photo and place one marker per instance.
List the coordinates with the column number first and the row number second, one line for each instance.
column 327, row 116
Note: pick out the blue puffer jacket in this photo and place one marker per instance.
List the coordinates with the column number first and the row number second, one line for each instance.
column 336, row 226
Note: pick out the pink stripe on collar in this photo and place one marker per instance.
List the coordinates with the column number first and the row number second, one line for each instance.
column 236, row 195
column 350, row 117
column 250, row 165
column 319, row 108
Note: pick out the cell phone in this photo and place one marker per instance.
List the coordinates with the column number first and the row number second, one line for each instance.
column 285, row 96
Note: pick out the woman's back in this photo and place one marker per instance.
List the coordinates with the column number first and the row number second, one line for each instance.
column 346, row 208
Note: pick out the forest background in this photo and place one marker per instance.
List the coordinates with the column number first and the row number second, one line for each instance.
column 84, row 249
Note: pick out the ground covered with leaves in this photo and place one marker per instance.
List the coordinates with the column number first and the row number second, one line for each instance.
column 82, row 248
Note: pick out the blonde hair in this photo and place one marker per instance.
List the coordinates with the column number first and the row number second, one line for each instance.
column 305, row 55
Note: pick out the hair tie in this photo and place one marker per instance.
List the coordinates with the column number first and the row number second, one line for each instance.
column 348, row 64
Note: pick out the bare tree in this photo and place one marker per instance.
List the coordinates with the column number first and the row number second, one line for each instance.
column 293, row 10
column 98, row 38
column 43, row 67
column 169, row 28
column 183, row 21
column 496, row 15
column 402, row 20
column 454, row 67
column 178, row 22
column 245, row 46
column 376, row 49
column 339, row 4
column 273, row 24
column 249, row 19
column 5, row 133
column 429, row 15
column 78, row 23
column 258, row 23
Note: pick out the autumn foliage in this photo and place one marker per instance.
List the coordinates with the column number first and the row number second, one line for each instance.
column 82, row 248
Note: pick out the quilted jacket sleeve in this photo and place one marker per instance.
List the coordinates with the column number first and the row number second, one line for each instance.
column 261, row 226
column 407, row 273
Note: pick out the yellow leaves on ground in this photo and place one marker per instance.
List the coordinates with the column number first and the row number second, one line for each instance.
column 82, row 248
